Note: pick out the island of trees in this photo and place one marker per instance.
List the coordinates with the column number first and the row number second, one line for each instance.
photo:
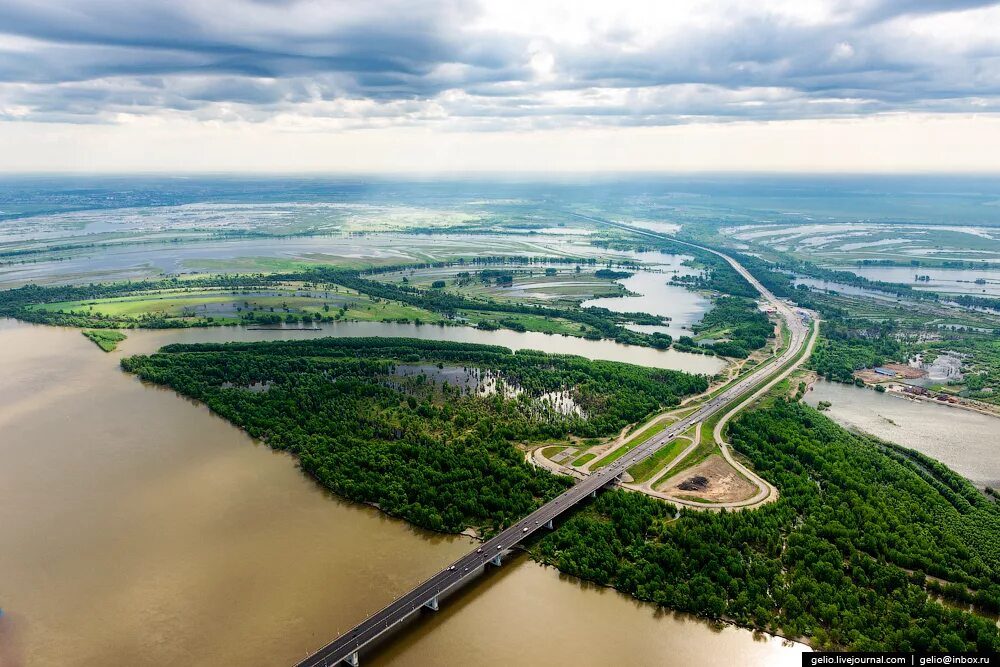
column 438, row 453
column 105, row 339
column 869, row 547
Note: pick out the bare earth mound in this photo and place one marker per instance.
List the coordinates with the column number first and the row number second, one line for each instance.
column 713, row 479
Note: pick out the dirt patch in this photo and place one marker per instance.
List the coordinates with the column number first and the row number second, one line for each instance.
column 696, row 483
column 907, row 372
column 712, row 479
column 900, row 372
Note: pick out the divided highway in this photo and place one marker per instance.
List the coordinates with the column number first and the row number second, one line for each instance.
column 345, row 647
column 799, row 337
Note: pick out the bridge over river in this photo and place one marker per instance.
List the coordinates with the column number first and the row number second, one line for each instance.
column 346, row 647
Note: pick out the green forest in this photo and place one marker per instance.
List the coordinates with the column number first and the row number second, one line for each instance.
column 845, row 557
column 433, row 452
column 741, row 326
column 847, row 345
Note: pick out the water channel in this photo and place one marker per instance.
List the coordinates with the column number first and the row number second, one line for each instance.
column 149, row 340
column 948, row 280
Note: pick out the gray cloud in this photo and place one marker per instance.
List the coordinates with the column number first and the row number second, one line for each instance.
column 417, row 62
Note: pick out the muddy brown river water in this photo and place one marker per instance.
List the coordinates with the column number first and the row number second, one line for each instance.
column 137, row 529
column 967, row 442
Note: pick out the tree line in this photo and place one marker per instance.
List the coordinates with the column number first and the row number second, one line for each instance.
column 849, row 556
column 435, row 454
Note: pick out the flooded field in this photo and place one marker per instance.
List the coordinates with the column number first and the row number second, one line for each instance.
column 151, row 257
column 955, row 281
column 841, row 288
column 654, row 294
column 658, row 297
column 480, row 382
column 845, row 243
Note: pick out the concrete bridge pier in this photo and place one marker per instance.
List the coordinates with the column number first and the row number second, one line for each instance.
column 432, row 604
column 495, row 560
column 548, row 524
column 352, row 659
column 593, row 494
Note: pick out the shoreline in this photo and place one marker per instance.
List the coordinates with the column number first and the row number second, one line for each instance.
column 896, row 390
column 962, row 404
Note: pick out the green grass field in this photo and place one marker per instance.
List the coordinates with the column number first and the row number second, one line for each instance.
column 645, row 470
column 549, row 452
column 550, row 325
column 105, row 339
column 630, row 445
column 705, row 448
column 530, row 284
column 165, row 302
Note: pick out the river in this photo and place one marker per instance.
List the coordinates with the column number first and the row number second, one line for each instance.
column 149, row 340
column 963, row 440
column 139, row 529
column 842, row 288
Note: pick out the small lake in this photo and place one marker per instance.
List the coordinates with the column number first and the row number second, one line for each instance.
column 145, row 341
column 657, row 296
column 965, row 441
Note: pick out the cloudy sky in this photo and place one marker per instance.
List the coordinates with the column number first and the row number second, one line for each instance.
column 534, row 85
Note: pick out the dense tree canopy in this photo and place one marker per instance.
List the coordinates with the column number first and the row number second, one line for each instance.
column 861, row 540
column 844, row 557
column 434, row 452
column 849, row 344
column 740, row 323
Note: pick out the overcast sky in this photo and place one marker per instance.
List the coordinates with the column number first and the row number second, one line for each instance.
column 442, row 85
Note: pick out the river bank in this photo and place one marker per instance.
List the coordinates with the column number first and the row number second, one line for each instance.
column 963, row 439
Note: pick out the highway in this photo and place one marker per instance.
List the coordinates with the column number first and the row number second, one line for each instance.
column 345, row 647
column 799, row 336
